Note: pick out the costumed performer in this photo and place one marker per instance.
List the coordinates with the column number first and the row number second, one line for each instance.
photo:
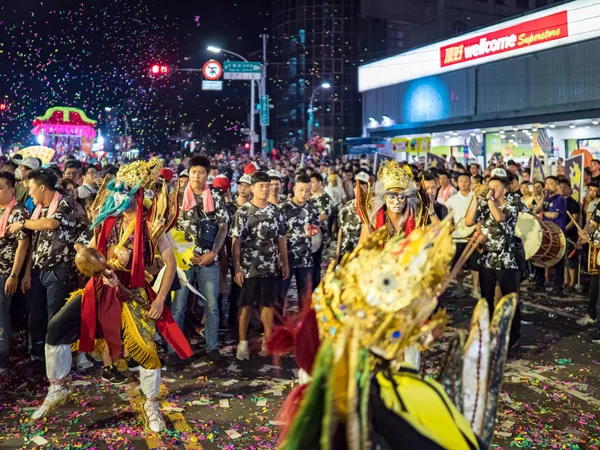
column 117, row 304
column 377, row 302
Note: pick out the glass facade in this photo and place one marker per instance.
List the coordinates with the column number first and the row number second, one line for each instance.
column 316, row 41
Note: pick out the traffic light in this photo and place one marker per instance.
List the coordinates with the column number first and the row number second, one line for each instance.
column 3, row 107
column 247, row 146
column 159, row 69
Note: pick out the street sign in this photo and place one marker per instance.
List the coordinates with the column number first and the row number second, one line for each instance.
column 241, row 70
column 264, row 110
column 212, row 70
column 210, row 85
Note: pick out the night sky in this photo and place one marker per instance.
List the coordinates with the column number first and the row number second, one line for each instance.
column 97, row 54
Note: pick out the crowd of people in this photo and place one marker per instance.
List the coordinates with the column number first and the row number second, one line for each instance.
column 254, row 225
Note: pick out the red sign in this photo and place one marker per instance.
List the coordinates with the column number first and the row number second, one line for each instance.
column 212, row 70
column 526, row 34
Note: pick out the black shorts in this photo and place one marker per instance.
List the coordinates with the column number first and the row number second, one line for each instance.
column 471, row 262
column 259, row 292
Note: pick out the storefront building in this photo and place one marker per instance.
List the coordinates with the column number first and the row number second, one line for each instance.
column 530, row 84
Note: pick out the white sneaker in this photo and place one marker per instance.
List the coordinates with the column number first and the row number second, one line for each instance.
column 476, row 293
column 242, row 351
column 585, row 321
column 82, row 363
column 155, row 420
column 57, row 395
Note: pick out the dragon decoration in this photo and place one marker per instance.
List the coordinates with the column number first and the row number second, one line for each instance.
column 380, row 300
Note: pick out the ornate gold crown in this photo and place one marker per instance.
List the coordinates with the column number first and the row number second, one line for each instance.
column 388, row 292
column 140, row 173
column 394, row 176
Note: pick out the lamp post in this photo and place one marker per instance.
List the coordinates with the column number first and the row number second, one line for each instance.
column 213, row 49
column 311, row 113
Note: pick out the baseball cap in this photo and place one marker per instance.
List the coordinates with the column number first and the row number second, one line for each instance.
column 274, row 174
column 29, row 162
column 501, row 173
column 362, row 176
column 221, row 182
column 166, row 174
column 184, row 173
column 245, row 179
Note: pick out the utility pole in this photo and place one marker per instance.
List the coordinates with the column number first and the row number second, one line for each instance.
column 263, row 93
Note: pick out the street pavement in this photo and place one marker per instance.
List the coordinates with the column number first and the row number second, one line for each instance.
column 550, row 398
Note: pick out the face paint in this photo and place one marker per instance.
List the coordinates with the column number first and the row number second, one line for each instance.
column 119, row 198
column 395, row 202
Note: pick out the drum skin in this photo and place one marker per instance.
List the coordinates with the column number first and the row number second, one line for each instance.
column 544, row 242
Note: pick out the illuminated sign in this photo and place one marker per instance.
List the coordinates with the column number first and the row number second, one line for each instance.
column 530, row 33
column 565, row 24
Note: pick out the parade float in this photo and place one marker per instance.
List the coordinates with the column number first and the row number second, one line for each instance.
column 66, row 130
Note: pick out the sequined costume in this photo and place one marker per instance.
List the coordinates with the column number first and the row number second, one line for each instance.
column 367, row 311
column 117, row 316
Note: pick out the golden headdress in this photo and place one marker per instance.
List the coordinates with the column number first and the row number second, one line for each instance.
column 394, row 176
column 140, row 173
column 390, row 304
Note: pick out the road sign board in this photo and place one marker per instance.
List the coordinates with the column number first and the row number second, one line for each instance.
column 241, row 70
column 212, row 70
column 265, row 118
column 210, row 85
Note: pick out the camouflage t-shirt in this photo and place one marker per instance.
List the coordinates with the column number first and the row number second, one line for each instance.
column 498, row 245
column 258, row 230
column 298, row 243
column 350, row 225
column 9, row 243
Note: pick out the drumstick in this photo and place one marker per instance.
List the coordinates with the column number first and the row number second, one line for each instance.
column 574, row 221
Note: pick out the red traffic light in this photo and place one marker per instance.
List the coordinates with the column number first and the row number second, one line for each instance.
column 247, row 146
column 2, row 106
column 158, row 69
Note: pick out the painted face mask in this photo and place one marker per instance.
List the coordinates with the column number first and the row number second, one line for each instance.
column 119, row 198
column 395, row 201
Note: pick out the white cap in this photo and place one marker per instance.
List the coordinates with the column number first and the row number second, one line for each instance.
column 30, row 162
column 184, row 173
column 500, row 173
column 210, row 179
column 245, row 179
column 362, row 176
column 274, row 174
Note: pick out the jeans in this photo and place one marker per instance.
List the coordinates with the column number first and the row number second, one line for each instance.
column 206, row 281
column 5, row 328
column 508, row 279
column 48, row 294
column 303, row 282
column 317, row 259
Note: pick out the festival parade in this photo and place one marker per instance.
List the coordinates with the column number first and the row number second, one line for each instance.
column 300, row 225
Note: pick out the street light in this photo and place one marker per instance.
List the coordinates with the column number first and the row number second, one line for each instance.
column 311, row 113
column 213, row 49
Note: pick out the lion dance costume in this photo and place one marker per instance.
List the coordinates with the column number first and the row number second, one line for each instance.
column 115, row 317
column 380, row 300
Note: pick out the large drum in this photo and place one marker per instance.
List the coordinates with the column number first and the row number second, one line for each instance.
column 544, row 242
column 593, row 257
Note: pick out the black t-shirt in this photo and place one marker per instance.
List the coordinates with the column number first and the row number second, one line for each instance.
column 574, row 208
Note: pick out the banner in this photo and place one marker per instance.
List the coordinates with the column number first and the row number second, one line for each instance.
column 537, row 170
column 435, row 161
column 380, row 160
column 574, row 167
column 421, row 144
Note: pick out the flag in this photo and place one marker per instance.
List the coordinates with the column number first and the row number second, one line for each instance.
column 537, row 170
column 435, row 161
column 574, row 167
column 545, row 141
column 476, row 146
